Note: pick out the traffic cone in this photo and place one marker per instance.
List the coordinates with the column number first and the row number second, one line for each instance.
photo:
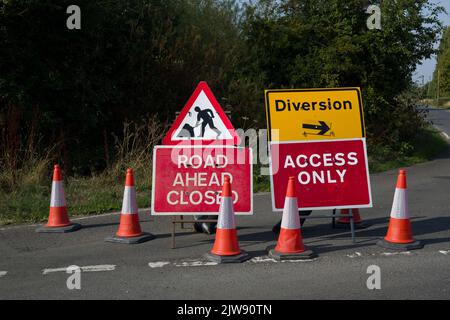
column 129, row 229
column 399, row 235
column 58, row 219
column 290, row 242
column 226, row 246
column 344, row 222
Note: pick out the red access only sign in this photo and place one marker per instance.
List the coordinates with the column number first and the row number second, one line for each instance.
column 188, row 179
column 329, row 174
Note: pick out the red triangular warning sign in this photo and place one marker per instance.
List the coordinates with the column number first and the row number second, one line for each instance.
column 202, row 121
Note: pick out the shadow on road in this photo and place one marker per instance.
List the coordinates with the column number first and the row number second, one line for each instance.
column 421, row 226
column 329, row 247
column 315, row 235
column 99, row 225
column 444, row 155
column 364, row 237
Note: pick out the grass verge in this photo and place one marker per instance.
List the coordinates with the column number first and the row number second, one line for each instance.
column 428, row 144
column 84, row 195
column 25, row 193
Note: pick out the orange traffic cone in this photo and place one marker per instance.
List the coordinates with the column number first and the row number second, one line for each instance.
column 129, row 229
column 399, row 235
column 58, row 219
column 344, row 222
column 290, row 242
column 226, row 247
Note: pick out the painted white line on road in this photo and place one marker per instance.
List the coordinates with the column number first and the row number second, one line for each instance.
column 3, row 273
column 404, row 253
column 97, row 268
column 444, row 252
column 262, row 259
column 144, row 210
column 158, row 264
column 354, row 255
column 47, row 271
column 198, row 263
column 268, row 259
column 301, row 260
column 96, row 216
column 73, row 219
column 19, row 227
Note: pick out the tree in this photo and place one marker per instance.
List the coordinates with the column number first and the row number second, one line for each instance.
column 442, row 69
column 325, row 43
column 130, row 58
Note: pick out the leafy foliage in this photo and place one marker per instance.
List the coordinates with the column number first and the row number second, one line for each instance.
column 442, row 69
column 130, row 58
column 326, row 43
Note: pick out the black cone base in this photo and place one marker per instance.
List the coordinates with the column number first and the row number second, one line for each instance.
column 131, row 240
column 279, row 256
column 400, row 246
column 243, row 256
column 70, row 228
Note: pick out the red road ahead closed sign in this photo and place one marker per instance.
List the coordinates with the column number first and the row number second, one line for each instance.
column 329, row 174
column 188, row 179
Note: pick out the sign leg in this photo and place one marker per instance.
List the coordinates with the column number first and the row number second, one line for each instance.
column 333, row 220
column 173, row 233
column 352, row 227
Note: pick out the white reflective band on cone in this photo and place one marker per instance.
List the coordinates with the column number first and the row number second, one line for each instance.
column 226, row 217
column 129, row 205
column 290, row 218
column 58, row 198
column 400, row 205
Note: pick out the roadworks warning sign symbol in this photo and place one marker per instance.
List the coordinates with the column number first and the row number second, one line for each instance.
column 202, row 119
column 314, row 114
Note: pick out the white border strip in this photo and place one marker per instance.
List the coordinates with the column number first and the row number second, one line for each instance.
column 241, row 213
column 369, row 205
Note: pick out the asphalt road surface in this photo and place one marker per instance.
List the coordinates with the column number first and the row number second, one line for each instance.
column 32, row 265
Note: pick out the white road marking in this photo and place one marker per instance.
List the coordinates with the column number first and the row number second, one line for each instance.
column 3, row 273
column 158, row 264
column 445, row 135
column 262, row 259
column 267, row 259
column 34, row 225
column 444, row 252
column 301, row 260
column 97, row 268
column 387, row 254
column 354, row 255
column 198, row 263
column 47, row 271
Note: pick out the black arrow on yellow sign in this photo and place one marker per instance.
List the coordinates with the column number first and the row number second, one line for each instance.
column 323, row 127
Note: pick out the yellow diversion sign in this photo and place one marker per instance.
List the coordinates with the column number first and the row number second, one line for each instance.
column 314, row 114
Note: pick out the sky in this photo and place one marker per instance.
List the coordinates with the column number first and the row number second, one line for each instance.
column 427, row 67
